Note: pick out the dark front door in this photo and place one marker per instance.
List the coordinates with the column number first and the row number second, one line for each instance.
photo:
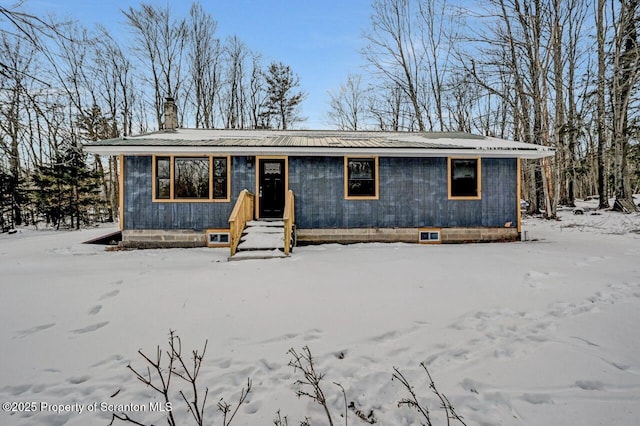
column 271, row 188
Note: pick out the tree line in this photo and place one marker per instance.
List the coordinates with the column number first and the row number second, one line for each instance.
column 553, row 72
column 560, row 73
column 62, row 84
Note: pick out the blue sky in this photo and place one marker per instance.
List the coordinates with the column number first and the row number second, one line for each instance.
column 320, row 39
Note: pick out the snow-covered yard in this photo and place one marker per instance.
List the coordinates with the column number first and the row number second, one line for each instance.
column 543, row 332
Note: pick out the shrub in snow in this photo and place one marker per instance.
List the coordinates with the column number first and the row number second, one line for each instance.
column 159, row 378
column 413, row 402
column 310, row 386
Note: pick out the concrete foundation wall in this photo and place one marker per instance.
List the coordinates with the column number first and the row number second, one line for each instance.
column 478, row 235
column 404, row 235
column 156, row 238
column 159, row 238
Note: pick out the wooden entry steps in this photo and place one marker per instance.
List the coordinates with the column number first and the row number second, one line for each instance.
column 261, row 239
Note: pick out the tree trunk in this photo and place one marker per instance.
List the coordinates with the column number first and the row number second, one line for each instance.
column 626, row 72
column 601, row 129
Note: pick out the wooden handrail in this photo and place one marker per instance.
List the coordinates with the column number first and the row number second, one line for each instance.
column 241, row 214
column 289, row 220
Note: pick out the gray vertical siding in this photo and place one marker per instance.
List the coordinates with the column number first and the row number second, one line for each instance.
column 413, row 193
column 499, row 199
column 141, row 213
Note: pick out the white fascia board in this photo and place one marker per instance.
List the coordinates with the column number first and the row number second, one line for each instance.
column 315, row 151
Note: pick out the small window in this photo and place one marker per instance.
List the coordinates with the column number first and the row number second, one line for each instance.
column 163, row 177
column 220, row 179
column 191, row 177
column 429, row 236
column 464, row 178
column 361, row 176
column 218, row 237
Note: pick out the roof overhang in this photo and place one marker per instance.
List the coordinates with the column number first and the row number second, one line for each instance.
column 317, row 143
column 132, row 149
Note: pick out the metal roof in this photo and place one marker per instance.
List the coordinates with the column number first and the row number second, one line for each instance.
column 316, row 142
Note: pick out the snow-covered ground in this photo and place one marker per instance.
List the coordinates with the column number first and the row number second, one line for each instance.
column 543, row 332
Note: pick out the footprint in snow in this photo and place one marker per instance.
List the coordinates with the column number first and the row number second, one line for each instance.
column 95, row 310
column 112, row 359
column 268, row 366
column 90, row 328
column 32, row 330
column 253, row 407
column 17, row 390
column 288, row 336
column 109, row 294
column 537, row 398
column 78, row 380
column 223, row 362
column 313, row 334
column 591, row 385
column 385, row 336
column 620, row 366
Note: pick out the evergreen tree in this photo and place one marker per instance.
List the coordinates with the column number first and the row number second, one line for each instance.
column 283, row 100
column 94, row 125
column 6, row 216
column 13, row 199
column 67, row 188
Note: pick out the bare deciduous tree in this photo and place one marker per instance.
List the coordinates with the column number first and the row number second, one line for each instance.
column 204, row 65
column 233, row 103
column 600, row 112
column 393, row 52
column 347, row 105
column 625, row 78
column 159, row 44
column 257, row 92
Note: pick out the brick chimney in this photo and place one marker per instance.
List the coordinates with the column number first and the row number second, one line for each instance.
column 170, row 114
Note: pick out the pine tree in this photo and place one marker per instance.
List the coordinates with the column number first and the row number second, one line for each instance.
column 6, row 201
column 94, row 125
column 13, row 200
column 67, row 188
column 283, row 100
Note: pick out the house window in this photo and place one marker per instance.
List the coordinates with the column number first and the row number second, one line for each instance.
column 183, row 178
column 191, row 177
column 163, row 177
column 220, row 178
column 361, row 178
column 464, row 178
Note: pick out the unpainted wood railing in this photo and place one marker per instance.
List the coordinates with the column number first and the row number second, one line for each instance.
column 289, row 220
column 242, row 213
